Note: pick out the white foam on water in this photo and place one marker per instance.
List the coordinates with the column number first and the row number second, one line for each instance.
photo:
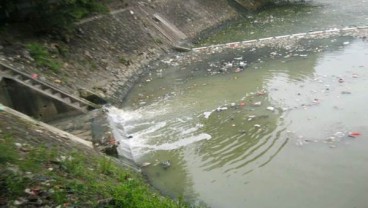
column 141, row 131
column 143, row 148
column 207, row 114
column 189, row 131
column 153, row 128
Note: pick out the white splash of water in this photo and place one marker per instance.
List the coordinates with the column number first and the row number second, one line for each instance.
column 142, row 130
column 207, row 114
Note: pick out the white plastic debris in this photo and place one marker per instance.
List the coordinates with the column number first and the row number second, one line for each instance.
column 221, row 109
column 270, row 108
column 257, row 103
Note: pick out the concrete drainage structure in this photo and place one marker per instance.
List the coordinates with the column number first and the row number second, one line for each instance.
column 36, row 98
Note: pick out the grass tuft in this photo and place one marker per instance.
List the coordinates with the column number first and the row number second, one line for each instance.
column 42, row 57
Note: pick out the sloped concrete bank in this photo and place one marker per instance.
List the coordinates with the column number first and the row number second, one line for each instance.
column 122, row 44
column 109, row 52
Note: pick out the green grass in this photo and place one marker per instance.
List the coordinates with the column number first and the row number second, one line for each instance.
column 42, row 57
column 72, row 179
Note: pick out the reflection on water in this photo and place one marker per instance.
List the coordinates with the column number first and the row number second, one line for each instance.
column 269, row 133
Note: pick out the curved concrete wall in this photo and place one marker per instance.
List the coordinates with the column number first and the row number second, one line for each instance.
column 284, row 40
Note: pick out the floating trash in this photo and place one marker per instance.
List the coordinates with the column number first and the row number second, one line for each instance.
column 221, row 109
column 354, row 134
column 270, row 108
column 257, row 103
column 251, row 117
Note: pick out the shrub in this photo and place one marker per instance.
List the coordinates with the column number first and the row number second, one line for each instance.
column 51, row 16
column 42, row 57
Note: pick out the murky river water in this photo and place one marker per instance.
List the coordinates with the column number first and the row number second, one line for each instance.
column 255, row 128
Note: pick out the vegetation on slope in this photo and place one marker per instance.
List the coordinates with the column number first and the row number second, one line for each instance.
column 41, row 169
column 49, row 16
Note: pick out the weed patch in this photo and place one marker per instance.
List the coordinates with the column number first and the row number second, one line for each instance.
column 42, row 57
column 47, row 177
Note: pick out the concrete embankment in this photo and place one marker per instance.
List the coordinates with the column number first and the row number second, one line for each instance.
column 108, row 52
column 120, row 44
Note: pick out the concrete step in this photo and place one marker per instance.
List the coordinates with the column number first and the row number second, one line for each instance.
column 67, row 99
column 38, row 86
column 46, row 89
column 17, row 76
column 58, row 95
column 77, row 104
column 84, row 107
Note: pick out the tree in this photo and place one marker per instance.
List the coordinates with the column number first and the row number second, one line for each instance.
column 49, row 15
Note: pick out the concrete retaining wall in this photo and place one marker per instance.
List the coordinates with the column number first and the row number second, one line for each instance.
column 32, row 103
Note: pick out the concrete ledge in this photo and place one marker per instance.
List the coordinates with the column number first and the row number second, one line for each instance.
column 57, row 131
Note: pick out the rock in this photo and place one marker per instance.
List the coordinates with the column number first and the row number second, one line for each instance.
column 19, row 201
column 29, row 191
column 110, row 149
column 27, row 56
column 88, row 54
column 91, row 96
